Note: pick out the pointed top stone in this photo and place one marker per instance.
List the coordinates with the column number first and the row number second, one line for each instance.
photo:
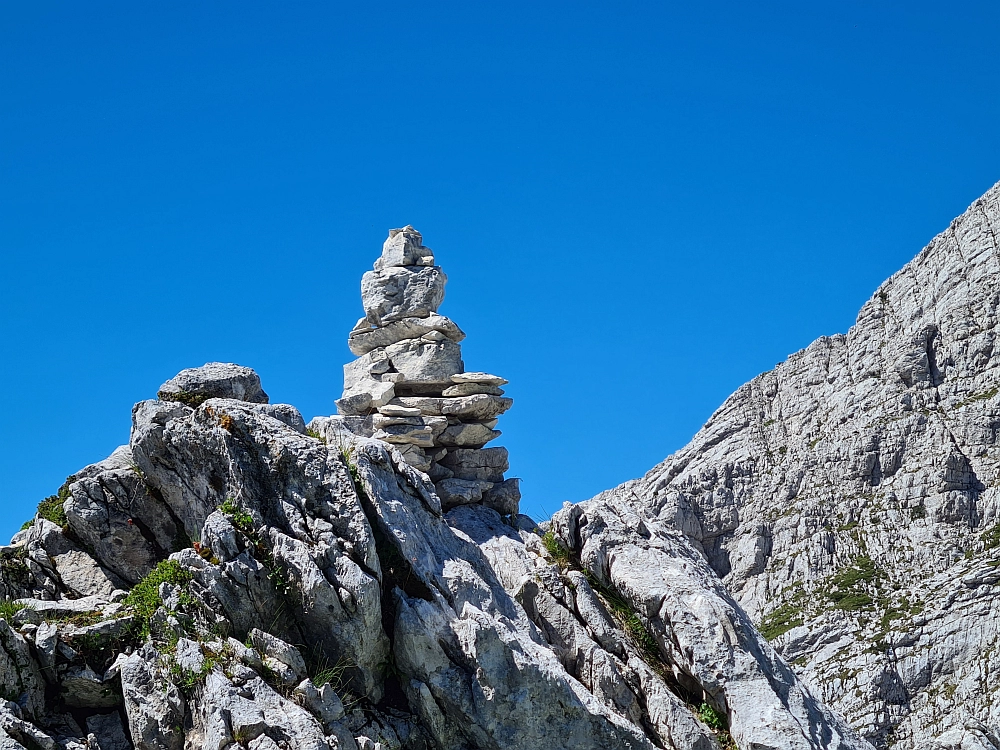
column 405, row 247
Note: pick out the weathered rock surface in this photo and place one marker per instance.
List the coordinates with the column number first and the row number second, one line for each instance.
column 317, row 591
column 214, row 380
column 850, row 500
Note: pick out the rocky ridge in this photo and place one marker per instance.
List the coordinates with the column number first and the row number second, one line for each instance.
column 408, row 385
column 849, row 501
column 235, row 577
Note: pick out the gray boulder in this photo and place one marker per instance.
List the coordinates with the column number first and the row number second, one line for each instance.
column 404, row 247
column 213, row 380
column 394, row 293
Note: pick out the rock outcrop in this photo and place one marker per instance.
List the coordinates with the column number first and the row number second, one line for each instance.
column 409, row 387
column 849, row 500
column 232, row 578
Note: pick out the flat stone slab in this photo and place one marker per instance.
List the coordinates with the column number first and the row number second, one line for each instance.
column 487, row 464
column 471, row 389
column 460, row 491
column 471, row 435
column 395, row 410
column 364, row 338
column 478, row 377
column 479, row 407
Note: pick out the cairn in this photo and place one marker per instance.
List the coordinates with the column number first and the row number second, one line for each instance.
column 408, row 385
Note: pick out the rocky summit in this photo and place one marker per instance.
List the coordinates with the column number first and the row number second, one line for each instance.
column 816, row 569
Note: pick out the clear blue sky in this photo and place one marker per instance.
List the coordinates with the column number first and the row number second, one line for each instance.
column 639, row 206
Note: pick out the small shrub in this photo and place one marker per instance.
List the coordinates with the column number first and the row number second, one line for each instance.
column 27, row 524
column 239, row 518
column 712, row 718
column 13, row 566
column 144, row 598
column 991, row 537
column 51, row 508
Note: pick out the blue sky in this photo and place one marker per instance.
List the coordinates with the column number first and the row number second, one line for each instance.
column 639, row 206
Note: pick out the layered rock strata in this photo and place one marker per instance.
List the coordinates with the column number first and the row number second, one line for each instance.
column 409, row 387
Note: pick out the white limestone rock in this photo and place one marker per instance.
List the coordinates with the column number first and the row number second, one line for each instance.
column 487, row 464
column 404, row 247
column 365, row 338
column 154, row 706
column 394, row 293
column 482, row 378
column 420, row 361
column 213, row 380
column 467, row 435
column 685, row 607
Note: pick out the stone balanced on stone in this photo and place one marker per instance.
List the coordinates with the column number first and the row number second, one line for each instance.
column 409, row 387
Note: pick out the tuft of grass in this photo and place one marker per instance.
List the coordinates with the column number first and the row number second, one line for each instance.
column 51, row 508
column 984, row 396
column 239, row 518
column 559, row 554
column 780, row 621
column 188, row 679
column 242, row 736
column 352, row 468
column 27, row 524
column 313, row 434
column 243, row 522
column 144, row 598
column 991, row 537
column 628, row 619
column 335, row 675
column 851, row 585
column 9, row 608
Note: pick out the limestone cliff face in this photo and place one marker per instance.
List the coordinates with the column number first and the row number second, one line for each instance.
column 848, row 500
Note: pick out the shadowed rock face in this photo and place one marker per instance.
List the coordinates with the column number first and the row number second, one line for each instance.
column 848, row 500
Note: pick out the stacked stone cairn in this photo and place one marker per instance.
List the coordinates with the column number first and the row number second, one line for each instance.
column 409, row 387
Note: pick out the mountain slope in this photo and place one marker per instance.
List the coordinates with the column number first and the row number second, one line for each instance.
column 848, row 500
